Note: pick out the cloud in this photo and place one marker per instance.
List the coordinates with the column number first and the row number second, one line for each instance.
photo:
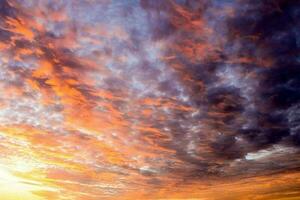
column 135, row 98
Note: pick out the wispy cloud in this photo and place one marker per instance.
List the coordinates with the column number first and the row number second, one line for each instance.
column 150, row 99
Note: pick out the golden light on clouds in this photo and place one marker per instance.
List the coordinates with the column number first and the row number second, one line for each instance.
column 16, row 188
column 149, row 99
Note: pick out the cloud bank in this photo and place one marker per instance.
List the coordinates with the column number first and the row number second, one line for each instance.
column 131, row 99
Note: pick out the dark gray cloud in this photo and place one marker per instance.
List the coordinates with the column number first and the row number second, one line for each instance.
column 161, row 92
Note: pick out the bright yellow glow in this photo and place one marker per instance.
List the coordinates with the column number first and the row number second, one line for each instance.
column 14, row 188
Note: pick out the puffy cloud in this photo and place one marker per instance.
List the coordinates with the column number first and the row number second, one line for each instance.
column 130, row 99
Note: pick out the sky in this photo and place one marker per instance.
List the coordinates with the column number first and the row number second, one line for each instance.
column 149, row 99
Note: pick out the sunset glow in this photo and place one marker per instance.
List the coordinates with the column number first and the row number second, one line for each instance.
column 149, row 100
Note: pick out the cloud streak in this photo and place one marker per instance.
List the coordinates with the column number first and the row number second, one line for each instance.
column 151, row 99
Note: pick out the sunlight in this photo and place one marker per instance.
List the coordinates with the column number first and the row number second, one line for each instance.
column 14, row 188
